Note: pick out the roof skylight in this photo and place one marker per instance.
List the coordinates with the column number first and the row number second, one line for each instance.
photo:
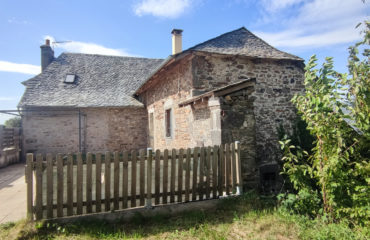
column 70, row 78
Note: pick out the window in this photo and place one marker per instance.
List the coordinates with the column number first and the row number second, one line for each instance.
column 168, row 123
column 70, row 78
column 151, row 130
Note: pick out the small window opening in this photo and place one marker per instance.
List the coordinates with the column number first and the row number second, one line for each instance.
column 168, row 123
column 151, row 130
column 70, row 78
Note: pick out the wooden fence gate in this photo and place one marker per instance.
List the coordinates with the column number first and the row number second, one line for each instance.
column 76, row 184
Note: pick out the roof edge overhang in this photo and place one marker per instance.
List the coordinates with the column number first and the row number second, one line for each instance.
column 222, row 91
column 297, row 59
column 74, row 107
column 167, row 62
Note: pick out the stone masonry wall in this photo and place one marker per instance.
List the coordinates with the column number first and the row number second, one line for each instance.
column 238, row 124
column 102, row 130
column 50, row 132
column 192, row 124
column 115, row 129
column 276, row 82
column 169, row 88
column 206, row 127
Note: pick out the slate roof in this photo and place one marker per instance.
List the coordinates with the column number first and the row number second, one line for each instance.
column 101, row 81
column 239, row 42
column 243, row 43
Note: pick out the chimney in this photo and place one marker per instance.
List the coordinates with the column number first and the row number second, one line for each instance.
column 176, row 41
column 47, row 54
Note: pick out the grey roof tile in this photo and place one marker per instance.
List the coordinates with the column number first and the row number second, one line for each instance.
column 244, row 43
column 101, row 81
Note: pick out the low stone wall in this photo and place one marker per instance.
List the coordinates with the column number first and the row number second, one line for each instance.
column 9, row 146
column 9, row 156
column 128, row 214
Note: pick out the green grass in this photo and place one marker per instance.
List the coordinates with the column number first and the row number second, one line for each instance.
column 246, row 217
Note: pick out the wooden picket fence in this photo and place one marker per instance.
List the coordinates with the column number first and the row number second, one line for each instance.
column 72, row 184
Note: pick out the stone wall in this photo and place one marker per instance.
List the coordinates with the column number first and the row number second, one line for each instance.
column 238, row 124
column 9, row 156
column 193, row 125
column 276, row 83
column 251, row 115
column 169, row 88
column 102, row 129
column 9, row 146
column 115, row 129
column 206, row 126
column 50, row 132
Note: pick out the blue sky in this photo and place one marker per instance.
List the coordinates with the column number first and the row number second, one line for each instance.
column 142, row 28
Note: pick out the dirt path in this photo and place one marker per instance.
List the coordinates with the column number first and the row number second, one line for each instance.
column 12, row 193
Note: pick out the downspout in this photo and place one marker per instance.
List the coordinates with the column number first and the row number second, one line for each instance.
column 22, row 153
column 79, row 130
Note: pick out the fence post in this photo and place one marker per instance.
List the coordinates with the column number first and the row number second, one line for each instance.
column 239, row 188
column 29, row 180
column 38, row 207
column 148, row 203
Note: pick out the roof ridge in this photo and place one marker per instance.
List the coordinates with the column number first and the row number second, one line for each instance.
column 102, row 55
column 271, row 45
column 241, row 28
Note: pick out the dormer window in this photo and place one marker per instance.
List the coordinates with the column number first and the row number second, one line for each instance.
column 70, row 78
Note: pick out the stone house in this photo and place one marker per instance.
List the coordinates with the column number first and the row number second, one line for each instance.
column 234, row 87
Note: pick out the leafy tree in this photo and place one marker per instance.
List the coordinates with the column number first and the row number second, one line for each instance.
column 336, row 109
column 13, row 122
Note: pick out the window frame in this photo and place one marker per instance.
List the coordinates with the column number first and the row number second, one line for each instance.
column 69, row 81
column 168, row 123
column 151, row 129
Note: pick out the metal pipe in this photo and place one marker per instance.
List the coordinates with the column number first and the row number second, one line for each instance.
column 79, row 130
column 9, row 112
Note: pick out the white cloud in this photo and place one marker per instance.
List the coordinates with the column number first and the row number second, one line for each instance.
column 3, row 99
column 17, row 21
column 298, row 39
column 19, row 68
column 162, row 8
column 85, row 47
column 275, row 5
column 91, row 48
column 314, row 23
column 71, row 46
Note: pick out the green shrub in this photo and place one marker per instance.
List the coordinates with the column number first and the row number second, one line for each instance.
column 306, row 202
column 13, row 122
column 336, row 110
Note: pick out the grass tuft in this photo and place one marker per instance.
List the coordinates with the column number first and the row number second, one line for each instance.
column 246, row 217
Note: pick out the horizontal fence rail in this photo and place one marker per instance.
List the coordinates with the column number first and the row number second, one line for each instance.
column 74, row 184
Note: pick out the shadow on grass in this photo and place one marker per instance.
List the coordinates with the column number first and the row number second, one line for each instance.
column 227, row 211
